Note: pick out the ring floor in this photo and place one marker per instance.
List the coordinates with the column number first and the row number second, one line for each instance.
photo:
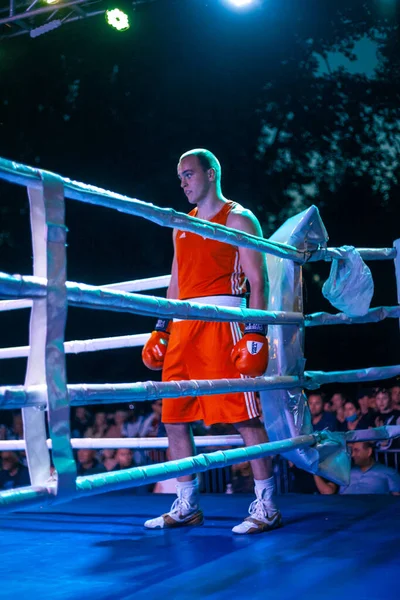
column 335, row 547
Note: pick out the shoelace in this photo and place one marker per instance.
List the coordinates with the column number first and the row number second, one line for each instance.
column 258, row 509
column 180, row 506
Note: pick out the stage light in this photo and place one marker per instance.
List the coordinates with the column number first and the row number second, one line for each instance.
column 241, row 3
column 117, row 19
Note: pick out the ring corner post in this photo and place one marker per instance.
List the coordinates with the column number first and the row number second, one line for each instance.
column 396, row 245
column 46, row 362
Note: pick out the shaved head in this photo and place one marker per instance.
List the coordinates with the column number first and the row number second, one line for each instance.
column 207, row 159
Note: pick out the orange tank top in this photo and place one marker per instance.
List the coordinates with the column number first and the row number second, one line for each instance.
column 207, row 267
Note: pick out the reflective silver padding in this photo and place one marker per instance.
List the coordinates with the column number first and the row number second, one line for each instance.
column 47, row 364
column 166, row 217
column 17, row 396
column 374, row 315
column 385, row 432
column 136, row 476
column 34, row 419
column 318, row 378
column 397, row 268
column 328, row 254
column 89, row 296
column 286, row 412
column 29, row 496
column 96, row 393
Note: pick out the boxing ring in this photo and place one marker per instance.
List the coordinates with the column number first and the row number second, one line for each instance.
column 46, row 395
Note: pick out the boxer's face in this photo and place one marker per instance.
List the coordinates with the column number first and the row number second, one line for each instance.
column 195, row 182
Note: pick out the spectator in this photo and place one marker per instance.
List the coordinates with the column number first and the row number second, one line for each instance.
column 124, row 458
column 12, row 474
column 152, row 423
column 366, row 399
column 116, row 428
column 87, row 462
column 133, row 424
column 366, row 476
column 372, row 401
column 337, row 400
column 321, row 419
column 353, row 418
column 167, row 486
column 395, row 397
column 108, row 459
column 17, row 427
column 4, row 432
column 242, row 478
column 386, row 414
column 81, row 420
column 99, row 428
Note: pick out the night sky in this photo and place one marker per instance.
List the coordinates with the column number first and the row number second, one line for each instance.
column 264, row 90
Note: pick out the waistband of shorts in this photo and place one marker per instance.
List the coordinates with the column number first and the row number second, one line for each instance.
column 227, row 301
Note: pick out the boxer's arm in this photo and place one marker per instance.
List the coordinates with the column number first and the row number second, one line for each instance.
column 250, row 353
column 253, row 263
column 173, row 288
column 324, row 486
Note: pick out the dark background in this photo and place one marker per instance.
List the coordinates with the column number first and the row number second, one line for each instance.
column 118, row 109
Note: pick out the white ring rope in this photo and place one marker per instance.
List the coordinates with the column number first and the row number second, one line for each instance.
column 13, row 397
column 138, row 285
column 166, row 217
column 89, row 296
column 374, row 315
column 200, row 441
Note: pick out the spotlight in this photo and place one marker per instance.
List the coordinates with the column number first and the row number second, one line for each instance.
column 117, row 19
column 241, row 3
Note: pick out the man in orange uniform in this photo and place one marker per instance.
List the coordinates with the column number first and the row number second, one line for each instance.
column 212, row 272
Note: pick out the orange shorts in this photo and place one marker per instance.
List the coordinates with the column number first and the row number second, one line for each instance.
column 202, row 350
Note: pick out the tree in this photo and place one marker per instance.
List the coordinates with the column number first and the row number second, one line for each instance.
column 323, row 133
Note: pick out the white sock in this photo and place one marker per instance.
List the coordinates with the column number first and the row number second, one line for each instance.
column 191, row 486
column 265, row 484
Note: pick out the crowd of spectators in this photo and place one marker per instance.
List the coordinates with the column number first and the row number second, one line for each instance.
column 372, row 407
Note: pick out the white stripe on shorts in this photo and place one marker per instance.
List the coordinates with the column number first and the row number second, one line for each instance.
column 250, row 397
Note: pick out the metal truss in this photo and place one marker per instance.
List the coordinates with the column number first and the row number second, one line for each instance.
column 36, row 17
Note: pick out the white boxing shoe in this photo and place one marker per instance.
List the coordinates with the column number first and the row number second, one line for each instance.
column 264, row 516
column 184, row 512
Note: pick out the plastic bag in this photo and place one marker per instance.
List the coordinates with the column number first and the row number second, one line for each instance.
column 349, row 287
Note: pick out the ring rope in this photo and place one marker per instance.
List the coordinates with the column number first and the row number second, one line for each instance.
column 138, row 285
column 93, row 394
column 384, row 432
column 166, row 217
column 89, row 296
column 374, row 315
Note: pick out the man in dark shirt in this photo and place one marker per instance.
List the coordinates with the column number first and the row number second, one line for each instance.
column 87, row 463
column 303, row 482
column 321, row 419
column 386, row 414
column 12, row 474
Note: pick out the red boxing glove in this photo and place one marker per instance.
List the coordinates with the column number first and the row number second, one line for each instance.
column 155, row 349
column 250, row 354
